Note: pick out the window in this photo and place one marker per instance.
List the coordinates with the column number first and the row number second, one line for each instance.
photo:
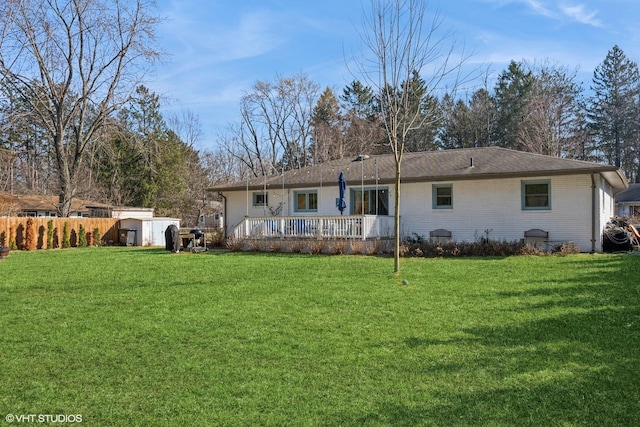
column 306, row 201
column 260, row 199
column 536, row 195
column 365, row 202
column 442, row 196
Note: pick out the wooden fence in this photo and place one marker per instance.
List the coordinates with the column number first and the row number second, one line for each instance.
column 14, row 229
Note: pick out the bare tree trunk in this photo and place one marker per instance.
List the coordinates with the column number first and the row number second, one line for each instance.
column 401, row 44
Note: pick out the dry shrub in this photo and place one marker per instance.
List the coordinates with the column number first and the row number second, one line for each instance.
column 529, row 249
column 217, row 238
column 357, row 247
column 316, row 246
column 270, row 246
column 252, row 245
column 567, row 248
column 296, row 246
column 420, row 247
column 381, row 247
column 340, row 247
column 235, row 244
column 30, row 236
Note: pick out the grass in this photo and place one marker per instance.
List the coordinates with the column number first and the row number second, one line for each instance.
column 137, row 337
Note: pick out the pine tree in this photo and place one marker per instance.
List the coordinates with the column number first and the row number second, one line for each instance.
column 613, row 111
column 512, row 96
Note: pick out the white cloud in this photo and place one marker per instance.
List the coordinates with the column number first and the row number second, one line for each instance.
column 579, row 14
column 539, row 8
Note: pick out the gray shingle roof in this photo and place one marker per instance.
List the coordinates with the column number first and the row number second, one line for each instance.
column 430, row 166
column 631, row 194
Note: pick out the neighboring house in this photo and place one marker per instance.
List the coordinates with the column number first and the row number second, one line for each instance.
column 459, row 195
column 628, row 201
column 44, row 206
column 211, row 215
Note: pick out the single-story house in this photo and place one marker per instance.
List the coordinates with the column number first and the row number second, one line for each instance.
column 35, row 205
column 628, row 202
column 38, row 206
column 459, row 195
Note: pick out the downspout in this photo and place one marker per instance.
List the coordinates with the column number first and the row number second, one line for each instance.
column 593, row 212
column 224, row 213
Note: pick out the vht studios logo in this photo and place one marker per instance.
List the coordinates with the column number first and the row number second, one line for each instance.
column 43, row 418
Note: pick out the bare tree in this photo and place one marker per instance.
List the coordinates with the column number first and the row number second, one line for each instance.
column 402, row 42
column 276, row 128
column 555, row 124
column 77, row 60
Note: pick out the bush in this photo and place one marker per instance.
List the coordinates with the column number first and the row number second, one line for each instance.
column 50, row 234
column 66, row 241
column 418, row 246
column 12, row 240
column 97, row 238
column 82, row 237
column 29, row 236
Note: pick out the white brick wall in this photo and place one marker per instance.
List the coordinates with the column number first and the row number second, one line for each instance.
column 478, row 206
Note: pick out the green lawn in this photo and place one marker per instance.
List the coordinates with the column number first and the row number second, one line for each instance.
column 140, row 337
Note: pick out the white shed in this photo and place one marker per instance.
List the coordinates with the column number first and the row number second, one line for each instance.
column 145, row 232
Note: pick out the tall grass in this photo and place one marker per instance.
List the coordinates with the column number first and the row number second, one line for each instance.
column 128, row 336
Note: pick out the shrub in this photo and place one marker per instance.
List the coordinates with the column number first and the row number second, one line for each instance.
column 29, row 236
column 66, row 241
column 234, row 244
column 50, row 234
column 484, row 246
column 82, row 237
column 316, row 247
column 12, row 240
column 97, row 238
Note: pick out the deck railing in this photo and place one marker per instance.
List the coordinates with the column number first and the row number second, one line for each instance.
column 320, row 227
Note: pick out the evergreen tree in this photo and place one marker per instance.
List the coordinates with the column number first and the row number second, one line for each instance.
column 455, row 129
column 512, row 96
column 327, row 140
column 424, row 137
column 613, row 111
column 363, row 131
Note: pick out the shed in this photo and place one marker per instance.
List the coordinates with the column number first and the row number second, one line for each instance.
column 149, row 231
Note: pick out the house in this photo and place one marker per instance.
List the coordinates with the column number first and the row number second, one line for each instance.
column 33, row 205
column 37, row 206
column 459, row 195
column 628, row 202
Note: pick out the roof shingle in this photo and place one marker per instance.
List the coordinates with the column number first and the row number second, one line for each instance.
column 446, row 165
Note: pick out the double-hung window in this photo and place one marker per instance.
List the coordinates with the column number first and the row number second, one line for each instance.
column 442, row 196
column 536, row 194
column 306, row 201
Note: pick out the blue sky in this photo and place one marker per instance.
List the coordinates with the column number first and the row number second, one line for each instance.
column 217, row 49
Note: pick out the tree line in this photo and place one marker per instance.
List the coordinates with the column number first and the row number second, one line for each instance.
column 77, row 120
column 540, row 108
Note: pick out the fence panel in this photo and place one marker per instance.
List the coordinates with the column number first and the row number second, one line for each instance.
column 14, row 228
